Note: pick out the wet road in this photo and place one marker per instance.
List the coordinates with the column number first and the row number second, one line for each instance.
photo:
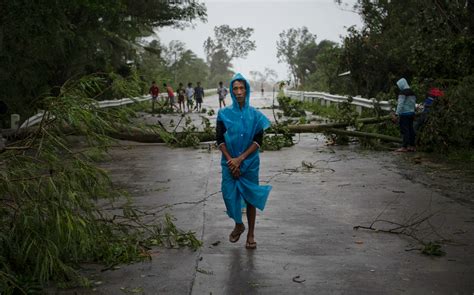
column 306, row 241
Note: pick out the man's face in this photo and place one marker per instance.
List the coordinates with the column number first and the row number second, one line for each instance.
column 238, row 88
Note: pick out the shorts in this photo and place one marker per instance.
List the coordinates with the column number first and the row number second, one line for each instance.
column 171, row 99
column 154, row 97
column 221, row 98
column 199, row 99
column 180, row 99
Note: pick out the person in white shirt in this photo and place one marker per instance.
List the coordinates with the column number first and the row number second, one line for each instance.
column 222, row 91
column 189, row 96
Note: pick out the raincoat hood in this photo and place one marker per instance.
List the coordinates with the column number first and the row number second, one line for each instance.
column 235, row 103
column 403, row 84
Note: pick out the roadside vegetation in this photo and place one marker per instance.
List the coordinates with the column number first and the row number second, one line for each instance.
column 428, row 44
column 59, row 209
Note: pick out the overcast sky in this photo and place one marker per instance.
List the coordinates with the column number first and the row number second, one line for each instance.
column 269, row 18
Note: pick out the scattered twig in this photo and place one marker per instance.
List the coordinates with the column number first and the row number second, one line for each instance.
column 297, row 279
column 179, row 122
column 409, row 228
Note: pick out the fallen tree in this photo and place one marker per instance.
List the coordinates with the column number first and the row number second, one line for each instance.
column 156, row 136
column 310, row 128
column 152, row 135
column 382, row 137
column 160, row 135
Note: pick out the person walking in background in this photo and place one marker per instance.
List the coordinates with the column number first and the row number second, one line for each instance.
column 189, row 96
column 405, row 115
column 181, row 94
column 170, row 92
column 239, row 135
column 154, row 92
column 222, row 92
column 198, row 96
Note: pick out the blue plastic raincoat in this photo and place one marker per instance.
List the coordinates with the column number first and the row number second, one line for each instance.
column 241, row 126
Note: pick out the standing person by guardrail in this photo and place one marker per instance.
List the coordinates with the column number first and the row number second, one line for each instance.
column 181, row 94
column 405, row 114
column 170, row 91
column 154, row 91
column 433, row 94
column 198, row 96
column 189, row 96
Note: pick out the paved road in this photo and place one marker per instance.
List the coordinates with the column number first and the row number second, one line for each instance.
column 306, row 241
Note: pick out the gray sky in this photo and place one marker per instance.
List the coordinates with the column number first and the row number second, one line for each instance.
column 269, row 18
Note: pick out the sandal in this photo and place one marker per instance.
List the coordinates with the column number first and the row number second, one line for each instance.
column 401, row 150
column 251, row 245
column 235, row 234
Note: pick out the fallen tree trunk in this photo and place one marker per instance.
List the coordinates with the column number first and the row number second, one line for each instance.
column 309, row 128
column 138, row 135
column 151, row 136
column 364, row 134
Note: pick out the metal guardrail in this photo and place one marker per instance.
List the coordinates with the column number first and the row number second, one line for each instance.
column 33, row 120
column 326, row 99
column 105, row 104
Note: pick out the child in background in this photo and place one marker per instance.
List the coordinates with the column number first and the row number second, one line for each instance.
column 433, row 94
column 181, row 93
column 198, row 96
column 170, row 91
column 189, row 96
column 154, row 91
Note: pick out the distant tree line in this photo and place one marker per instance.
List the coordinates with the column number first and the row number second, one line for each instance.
column 45, row 43
column 425, row 41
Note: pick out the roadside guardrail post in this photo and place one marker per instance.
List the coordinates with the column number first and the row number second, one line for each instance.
column 14, row 121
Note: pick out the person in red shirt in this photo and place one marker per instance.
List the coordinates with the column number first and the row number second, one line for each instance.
column 170, row 91
column 154, row 91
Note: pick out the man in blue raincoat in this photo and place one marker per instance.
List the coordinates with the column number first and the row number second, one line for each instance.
column 239, row 134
